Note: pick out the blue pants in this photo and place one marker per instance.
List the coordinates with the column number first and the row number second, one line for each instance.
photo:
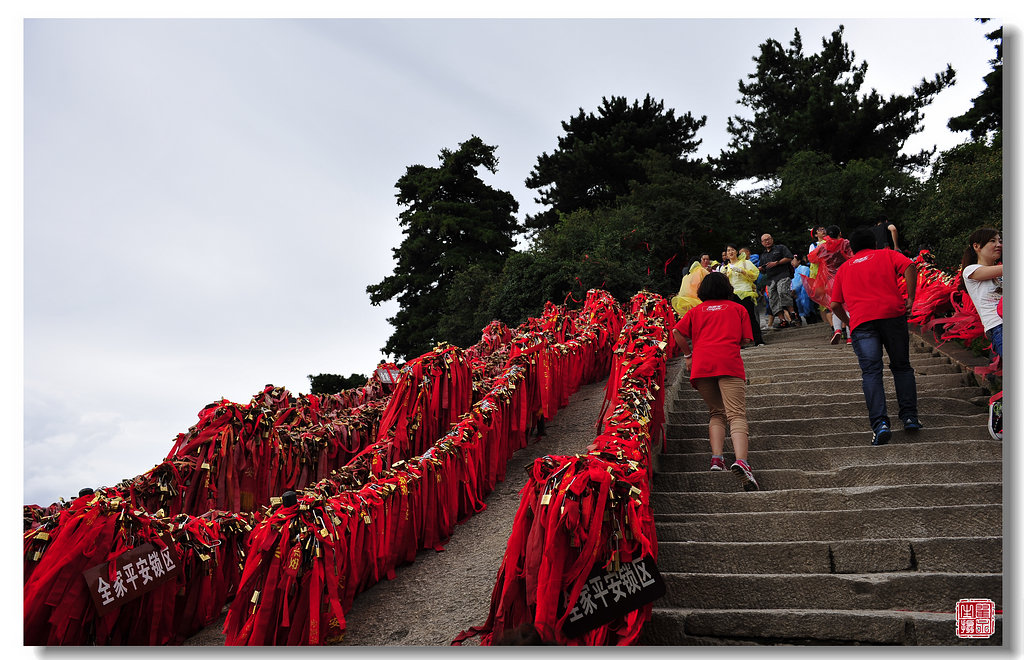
column 868, row 339
column 996, row 335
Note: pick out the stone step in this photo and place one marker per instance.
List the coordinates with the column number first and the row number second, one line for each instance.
column 958, row 520
column 843, row 405
column 796, row 372
column 821, row 344
column 856, row 475
column 800, row 343
column 788, row 627
column 829, row 440
column 845, row 543
column 923, row 592
column 825, row 499
column 845, row 382
column 806, row 333
column 802, row 339
column 817, row 401
column 810, row 362
column 946, row 554
column 799, row 426
column 818, row 459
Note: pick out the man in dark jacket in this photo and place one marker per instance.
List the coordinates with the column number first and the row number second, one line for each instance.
column 776, row 264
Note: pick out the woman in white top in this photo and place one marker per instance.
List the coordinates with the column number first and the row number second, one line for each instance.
column 982, row 274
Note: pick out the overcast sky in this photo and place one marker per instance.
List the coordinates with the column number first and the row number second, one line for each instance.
column 205, row 201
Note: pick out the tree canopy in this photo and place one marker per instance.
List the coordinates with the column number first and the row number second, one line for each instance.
column 964, row 192
column 334, row 383
column 813, row 190
column 813, row 102
column 647, row 239
column 986, row 114
column 628, row 208
column 453, row 222
column 600, row 154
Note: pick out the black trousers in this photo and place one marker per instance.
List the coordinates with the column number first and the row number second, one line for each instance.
column 755, row 322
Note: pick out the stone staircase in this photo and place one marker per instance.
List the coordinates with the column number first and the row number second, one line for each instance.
column 845, row 543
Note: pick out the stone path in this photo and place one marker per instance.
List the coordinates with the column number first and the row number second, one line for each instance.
column 845, row 543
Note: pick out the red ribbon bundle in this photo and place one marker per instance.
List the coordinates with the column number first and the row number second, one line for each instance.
column 393, row 508
column 433, row 391
column 236, row 456
column 939, row 293
column 97, row 529
column 587, row 510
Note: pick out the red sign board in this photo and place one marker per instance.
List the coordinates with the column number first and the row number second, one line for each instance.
column 136, row 572
column 387, row 374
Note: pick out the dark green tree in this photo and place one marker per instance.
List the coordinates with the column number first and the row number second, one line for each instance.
column 334, row 383
column 600, row 154
column 453, row 223
column 813, row 190
column 964, row 192
column 985, row 117
column 813, row 102
column 647, row 239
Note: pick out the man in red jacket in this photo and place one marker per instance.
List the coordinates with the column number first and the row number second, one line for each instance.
column 868, row 284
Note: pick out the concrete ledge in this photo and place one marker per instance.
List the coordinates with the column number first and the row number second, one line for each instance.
column 959, row 355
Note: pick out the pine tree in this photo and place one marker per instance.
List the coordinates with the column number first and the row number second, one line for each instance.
column 453, row 223
column 986, row 114
column 814, row 103
column 601, row 154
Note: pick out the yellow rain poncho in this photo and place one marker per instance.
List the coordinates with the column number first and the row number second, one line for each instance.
column 687, row 298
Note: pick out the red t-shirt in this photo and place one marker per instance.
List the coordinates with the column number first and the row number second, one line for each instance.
column 717, row 329
column 868, row 284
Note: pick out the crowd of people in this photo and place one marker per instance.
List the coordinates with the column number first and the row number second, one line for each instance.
column 862, row 289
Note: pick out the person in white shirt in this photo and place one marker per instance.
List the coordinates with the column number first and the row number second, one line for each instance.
column 982, row 277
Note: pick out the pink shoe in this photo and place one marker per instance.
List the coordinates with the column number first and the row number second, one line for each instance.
column 743, row 471
column 717, row 463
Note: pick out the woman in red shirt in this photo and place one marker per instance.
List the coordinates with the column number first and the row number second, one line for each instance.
column 718, row 328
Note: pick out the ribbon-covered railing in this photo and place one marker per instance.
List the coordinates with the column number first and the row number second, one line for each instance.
column 313, row 553
column 579, row 568
column 946, row 309
column 237, row 457
column 122, row 576
column 276, row 423
column 240, row 454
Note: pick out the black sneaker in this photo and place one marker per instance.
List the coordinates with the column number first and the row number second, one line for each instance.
column 881, row 435
column 911, row 424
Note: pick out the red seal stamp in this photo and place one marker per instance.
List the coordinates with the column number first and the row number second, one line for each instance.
column 975, row 618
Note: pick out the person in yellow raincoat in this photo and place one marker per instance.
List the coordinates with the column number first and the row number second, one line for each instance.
column 742, row 274
column 687, row 298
